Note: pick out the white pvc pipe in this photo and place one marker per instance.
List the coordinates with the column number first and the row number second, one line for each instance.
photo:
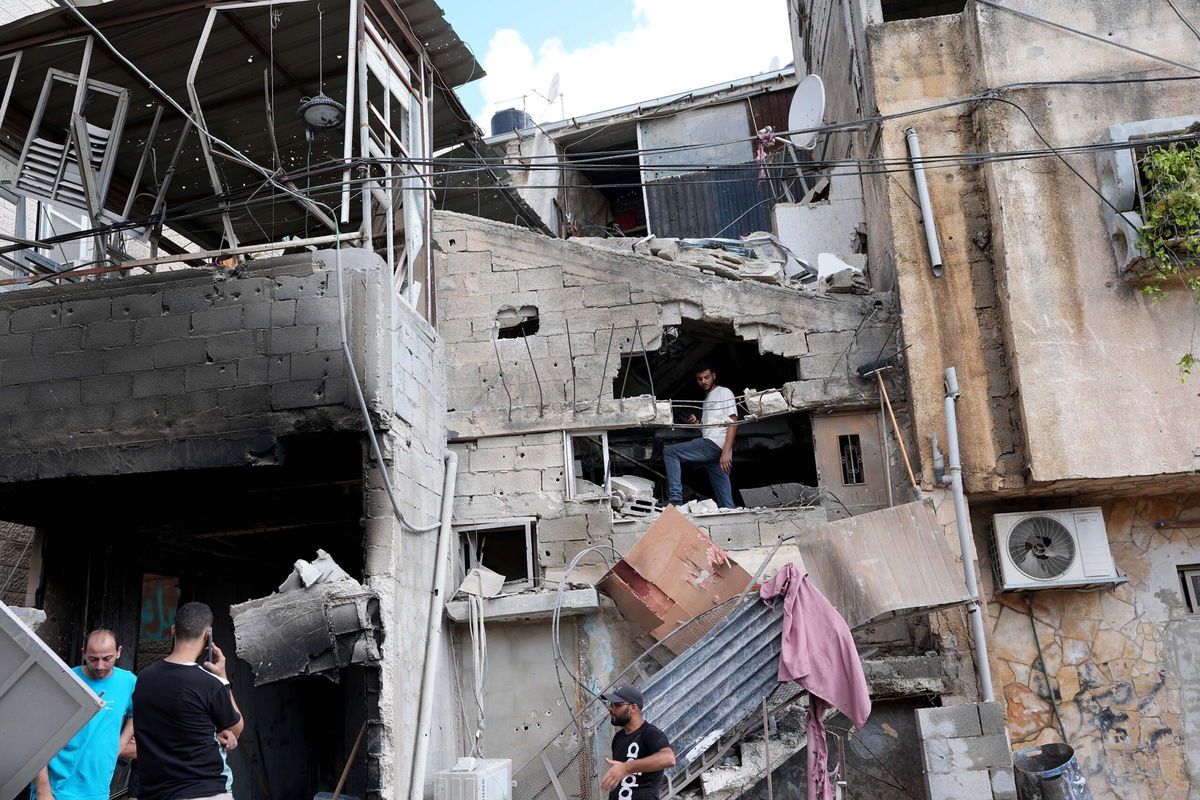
column 935, row 251
column 433, row 636
column 965, row 544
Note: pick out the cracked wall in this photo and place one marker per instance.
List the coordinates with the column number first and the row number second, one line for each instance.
column 1122, row 662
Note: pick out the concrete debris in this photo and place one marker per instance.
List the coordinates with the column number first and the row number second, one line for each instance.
column 320, row 620
column 729, row 258
column 511, row 316
column 781, row 494
column 768, row 402
column 632, row 496
column 32, row 618
column 842, row 274
column 482, row 582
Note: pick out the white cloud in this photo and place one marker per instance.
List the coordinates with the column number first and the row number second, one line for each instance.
column 671, row 46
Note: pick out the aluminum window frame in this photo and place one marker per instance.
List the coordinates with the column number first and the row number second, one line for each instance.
column 569, row 465
column 532, row 571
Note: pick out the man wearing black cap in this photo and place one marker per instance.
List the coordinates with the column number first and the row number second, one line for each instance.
column 640, row 751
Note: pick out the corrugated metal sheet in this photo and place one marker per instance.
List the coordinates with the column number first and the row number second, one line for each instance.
column 726, row 203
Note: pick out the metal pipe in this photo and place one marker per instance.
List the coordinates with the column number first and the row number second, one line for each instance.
column 433, row 636
column 914, row 152
column 965, row 544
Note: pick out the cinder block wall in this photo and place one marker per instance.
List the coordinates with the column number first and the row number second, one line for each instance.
column 143, row 363
column 966, row 752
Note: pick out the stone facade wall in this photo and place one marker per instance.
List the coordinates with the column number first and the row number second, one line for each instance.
column 1123, row 663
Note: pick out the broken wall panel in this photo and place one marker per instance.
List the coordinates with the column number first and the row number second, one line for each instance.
column 605, row 298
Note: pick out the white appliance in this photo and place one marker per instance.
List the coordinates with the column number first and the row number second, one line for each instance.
column 475, row 779
column 1052, row 550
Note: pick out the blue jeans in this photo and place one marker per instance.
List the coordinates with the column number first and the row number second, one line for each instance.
column 697, row 451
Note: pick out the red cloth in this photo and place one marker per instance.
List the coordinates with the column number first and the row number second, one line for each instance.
column 818, row 653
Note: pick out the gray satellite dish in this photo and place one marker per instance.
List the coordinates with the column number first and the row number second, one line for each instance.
column 552, row 92
column 774, row 64
column 807, row 111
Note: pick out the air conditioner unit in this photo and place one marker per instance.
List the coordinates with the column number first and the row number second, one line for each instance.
column 1052, row 550
column 475, row 779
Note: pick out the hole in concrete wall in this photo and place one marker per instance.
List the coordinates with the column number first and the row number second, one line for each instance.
column 126, row 544
column 515, row 323
column 918, row 9
column 506, row 547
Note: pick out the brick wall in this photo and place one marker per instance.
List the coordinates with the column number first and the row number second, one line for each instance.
column 118, row 373
column 966, row 753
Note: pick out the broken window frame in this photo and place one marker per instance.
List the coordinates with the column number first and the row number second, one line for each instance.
column 532, row 575
column 1189, row 576
column 569, row 465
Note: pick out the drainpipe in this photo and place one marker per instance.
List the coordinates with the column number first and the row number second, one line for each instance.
column 965, row 544
column 433, row 636
column 914, row 152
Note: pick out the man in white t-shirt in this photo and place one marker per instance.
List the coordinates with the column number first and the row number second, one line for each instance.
column 714, row 447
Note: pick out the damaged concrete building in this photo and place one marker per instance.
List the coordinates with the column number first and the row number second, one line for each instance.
column 260, row 332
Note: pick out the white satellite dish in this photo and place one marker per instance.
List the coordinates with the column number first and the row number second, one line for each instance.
column 552, row 92
column 807, row 111
column 774, row 64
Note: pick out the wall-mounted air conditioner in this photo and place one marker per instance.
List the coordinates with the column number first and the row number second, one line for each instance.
column 475, row 779
column 1052, row 550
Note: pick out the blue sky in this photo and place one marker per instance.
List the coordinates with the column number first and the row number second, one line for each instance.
column 611, row 53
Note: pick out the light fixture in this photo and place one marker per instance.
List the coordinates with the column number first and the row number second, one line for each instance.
column 321, row 113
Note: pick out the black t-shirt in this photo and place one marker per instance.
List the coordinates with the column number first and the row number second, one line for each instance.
column 177, row 711
column 645, row 741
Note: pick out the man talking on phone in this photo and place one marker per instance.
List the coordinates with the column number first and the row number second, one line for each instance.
column 185, row 717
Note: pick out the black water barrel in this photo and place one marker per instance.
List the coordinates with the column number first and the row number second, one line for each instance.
column 1049, row 772
column 508, row 120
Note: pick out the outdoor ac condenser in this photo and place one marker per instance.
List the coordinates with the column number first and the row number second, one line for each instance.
column 1052, row 550
column 475, row 779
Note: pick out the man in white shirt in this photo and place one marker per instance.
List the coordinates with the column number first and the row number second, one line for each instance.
column 714, row 447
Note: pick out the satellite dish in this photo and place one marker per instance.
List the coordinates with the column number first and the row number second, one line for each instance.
column 552, row 92
column 774, row 64
column 807, row 111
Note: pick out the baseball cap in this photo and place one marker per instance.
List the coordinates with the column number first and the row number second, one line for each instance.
column 624, row 694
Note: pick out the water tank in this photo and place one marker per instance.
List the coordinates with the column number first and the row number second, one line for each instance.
column 509, row 119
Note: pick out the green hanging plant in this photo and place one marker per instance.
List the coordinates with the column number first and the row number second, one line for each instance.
column 1170, row 232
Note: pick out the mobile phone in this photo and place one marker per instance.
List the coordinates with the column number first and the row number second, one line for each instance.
column 208, row 647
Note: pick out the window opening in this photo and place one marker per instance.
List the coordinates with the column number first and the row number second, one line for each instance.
column 505, row 546
column 1190, row 578
column 850, row 448
column 587, row 464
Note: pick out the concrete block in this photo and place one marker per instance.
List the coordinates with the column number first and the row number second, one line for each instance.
column 132, row 413
column 56, row 340
column 157, row 382
column 25, row 370
column 539, row 456
column 179, row 353
column 16, row 345
column 71, row 365
column 35, row 318
column 128, row 359
column 295, row 339
column 948, row 722
column 321, row 364
column 165, row 327
column 297, row 394
column 471, row 483
column 291, row 287
column 562, row 529
column 551, row 554
column 279, row 368
column 959, row 786
column 234, row 346
column 492, row 459
column 329, row 336
column 735, row 535
column 189, row 405
column 466, row 263
column 991, row 718
column 317, row 311
column 338, row 391
column 243, row 400
column 606, row 295
column 53, row 394
column 216, row 320
column 186, row 299
column 136, row 306
column 217, row 375
column 569, row 298
column 102, row 335
column 84, row 311
column 536, row 278
column 105, row 389
column 242, row 291
column 1003, row 785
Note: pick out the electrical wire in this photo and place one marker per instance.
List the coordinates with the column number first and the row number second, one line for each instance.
column 353, row 372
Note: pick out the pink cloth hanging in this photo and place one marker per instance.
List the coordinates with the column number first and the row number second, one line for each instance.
column 818, row 653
